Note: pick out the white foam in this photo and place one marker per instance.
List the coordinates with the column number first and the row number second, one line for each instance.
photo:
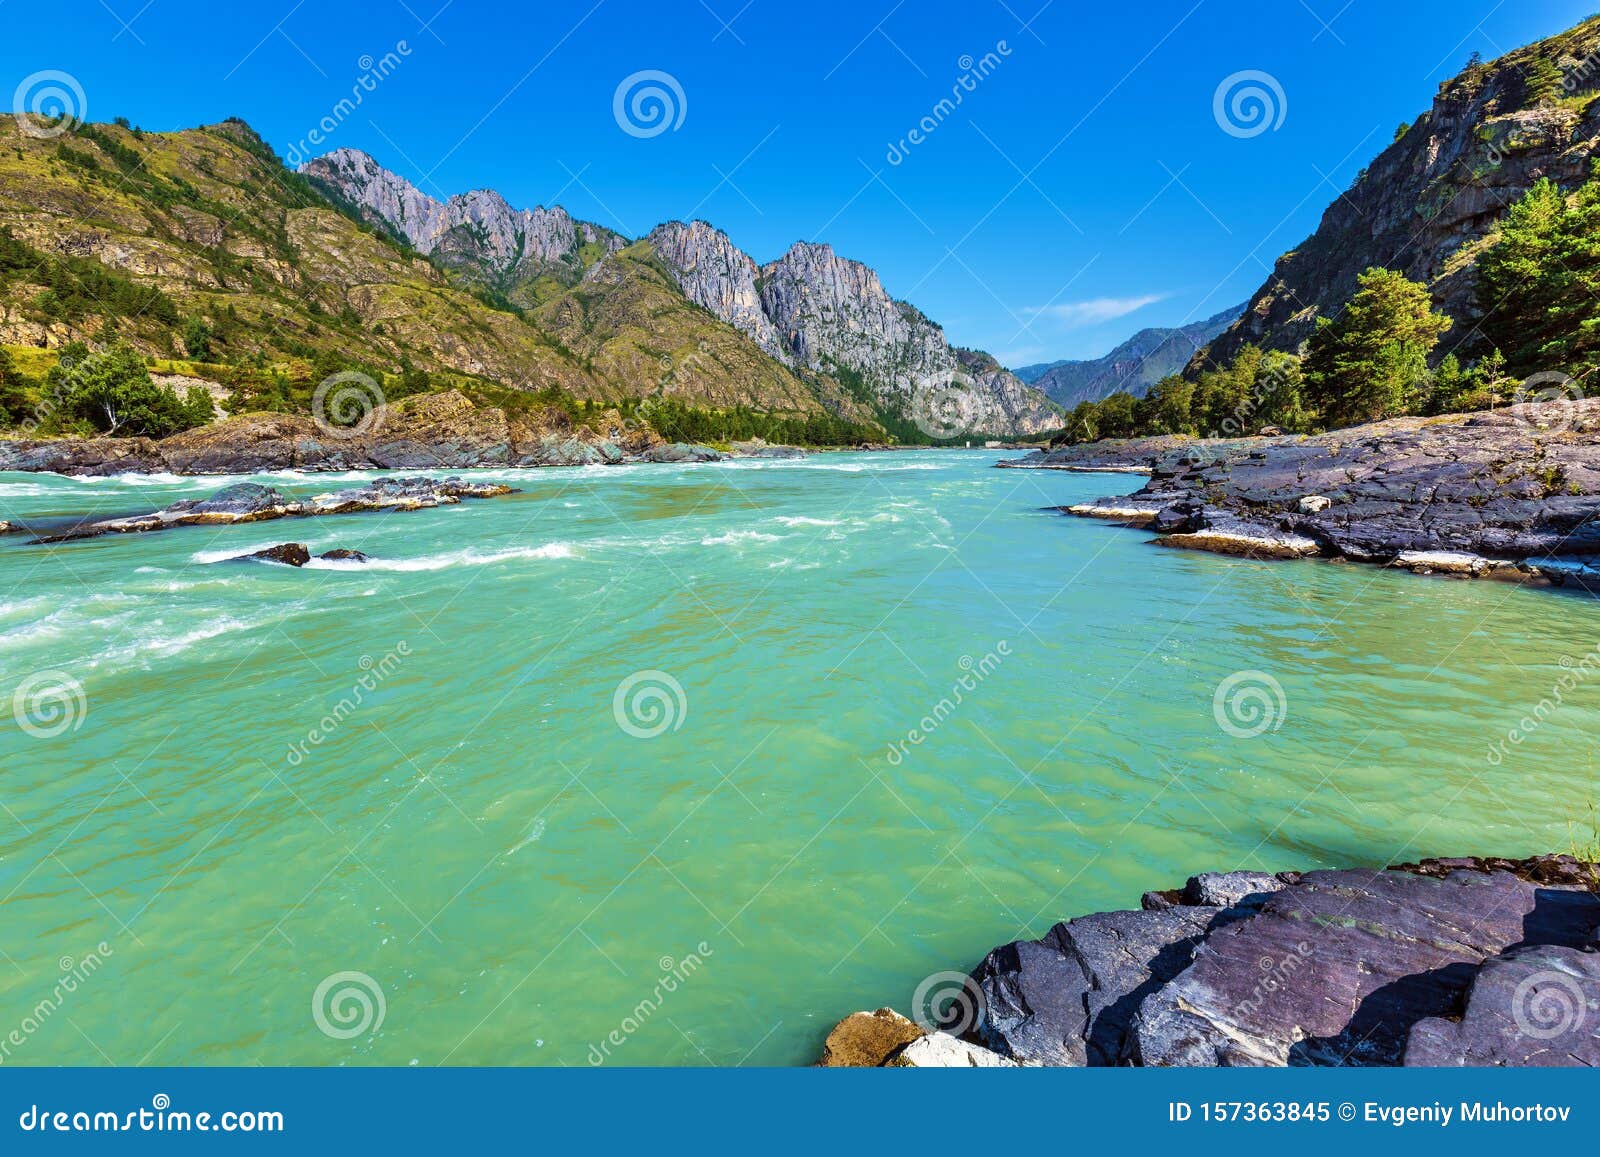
column 433, row 562
column 738, row 537
column 801, row 520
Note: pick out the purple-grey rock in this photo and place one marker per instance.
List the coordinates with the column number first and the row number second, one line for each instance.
column 1336, row 969
column 1536, row 1006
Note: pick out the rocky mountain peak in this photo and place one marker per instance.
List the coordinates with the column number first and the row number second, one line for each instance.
column 717, row 275
column 475, row 230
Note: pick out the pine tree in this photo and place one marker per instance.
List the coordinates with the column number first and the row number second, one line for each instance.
column 1537, row 285
column 1371, row 362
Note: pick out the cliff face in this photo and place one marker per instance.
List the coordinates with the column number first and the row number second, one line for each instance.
column 474, row 233
column 717, row 275
column 821, row 312
column 810, row 311
column 835, row 315
column 1428, row 202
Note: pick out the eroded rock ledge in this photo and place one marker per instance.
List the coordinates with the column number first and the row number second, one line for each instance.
column 1509, row 494
column 252, row 502
column 1447, row 962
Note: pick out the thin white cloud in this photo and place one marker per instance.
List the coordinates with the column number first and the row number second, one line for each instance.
column 1095, row 312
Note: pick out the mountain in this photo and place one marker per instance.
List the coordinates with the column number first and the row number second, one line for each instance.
column 810, row 312
column 527, row 255
column 1427, row 204
column 199, row 247
column 814, row 309
column 1134, row 366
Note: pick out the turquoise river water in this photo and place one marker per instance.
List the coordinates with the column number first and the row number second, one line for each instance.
column 695, row 759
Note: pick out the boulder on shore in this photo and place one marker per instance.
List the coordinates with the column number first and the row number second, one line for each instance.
column 868, row 1039
column 1445, row 962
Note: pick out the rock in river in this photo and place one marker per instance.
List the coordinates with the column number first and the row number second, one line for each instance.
column 251, row 502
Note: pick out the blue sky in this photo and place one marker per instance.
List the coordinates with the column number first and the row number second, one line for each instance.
column 1082, row 187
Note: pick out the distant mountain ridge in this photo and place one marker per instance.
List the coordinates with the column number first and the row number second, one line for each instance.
column 1135, row 365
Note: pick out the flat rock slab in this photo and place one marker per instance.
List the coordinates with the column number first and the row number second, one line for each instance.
column 1480, row 496
column 1337, row 969
column 1537, row 1006
column 251, row 502
column 1069, row 997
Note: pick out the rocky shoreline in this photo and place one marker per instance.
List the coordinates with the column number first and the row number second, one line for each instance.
column 444, row 431
column 1447, row 962
column 1511, row 494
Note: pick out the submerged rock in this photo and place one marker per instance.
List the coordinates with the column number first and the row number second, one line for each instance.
column 683, row 452
column 343, row 554
column 286, row 554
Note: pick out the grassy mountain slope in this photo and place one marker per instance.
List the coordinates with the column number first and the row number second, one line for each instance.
column 201, row 238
